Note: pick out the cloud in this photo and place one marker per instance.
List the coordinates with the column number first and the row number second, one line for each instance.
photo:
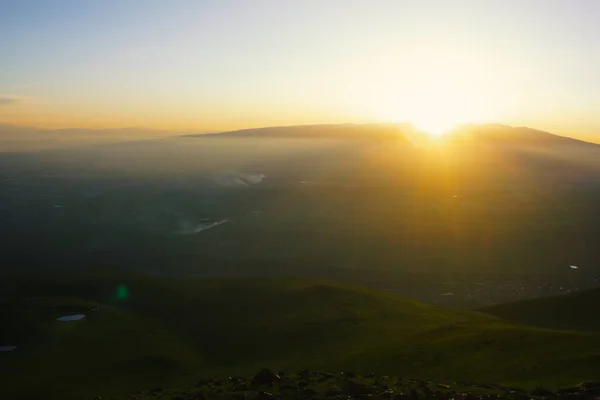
column 8, row 100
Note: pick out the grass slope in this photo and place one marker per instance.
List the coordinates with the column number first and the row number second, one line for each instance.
column 170, row 332
column 558, row 312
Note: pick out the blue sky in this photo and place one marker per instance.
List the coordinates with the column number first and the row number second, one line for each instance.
column 229, row 64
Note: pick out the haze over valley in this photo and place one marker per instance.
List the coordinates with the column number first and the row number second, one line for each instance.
column 384, row 205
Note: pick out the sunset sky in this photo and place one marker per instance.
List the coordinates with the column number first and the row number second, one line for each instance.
column 224, row 64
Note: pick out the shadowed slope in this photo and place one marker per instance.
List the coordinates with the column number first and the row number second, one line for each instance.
column 574, row 311
column 171, row 331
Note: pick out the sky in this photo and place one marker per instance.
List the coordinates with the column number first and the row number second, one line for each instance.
column 228, row 64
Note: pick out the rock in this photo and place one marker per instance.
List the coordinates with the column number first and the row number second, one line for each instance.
column 585, row 390
column 155, row 391
column 590, row 388
column 265, row 396
column 287, row 379
column 485, row 386
column 265, row 377
column 198, row 396
column 541, row 392
column 428, row 391
column 518, row 396
column 325, row 377
column 354, row 388
column 414, row 395
column 334, row 391
column 568, row 391
column 348, row 375
column 304, row 374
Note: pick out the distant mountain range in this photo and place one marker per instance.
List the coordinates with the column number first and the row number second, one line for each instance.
column 350, row 131
column 467, row 132
column 15, row 138
column 507, row 134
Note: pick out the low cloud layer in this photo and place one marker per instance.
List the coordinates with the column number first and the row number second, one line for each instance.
column 8, row 100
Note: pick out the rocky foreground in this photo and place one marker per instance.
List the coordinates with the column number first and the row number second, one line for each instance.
column 268, row 385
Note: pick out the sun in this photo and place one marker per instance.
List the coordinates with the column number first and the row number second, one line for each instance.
column 435, row 109
column 435, row 94
column 436, row 127
column 437, row 117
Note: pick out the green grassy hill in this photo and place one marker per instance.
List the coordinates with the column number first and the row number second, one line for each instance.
column 170, row 332
column 574, row 311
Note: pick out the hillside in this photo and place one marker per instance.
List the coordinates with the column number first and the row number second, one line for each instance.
column 168, row 332
column 573, row 311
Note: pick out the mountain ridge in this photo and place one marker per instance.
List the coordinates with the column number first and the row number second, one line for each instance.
column 400, row 131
